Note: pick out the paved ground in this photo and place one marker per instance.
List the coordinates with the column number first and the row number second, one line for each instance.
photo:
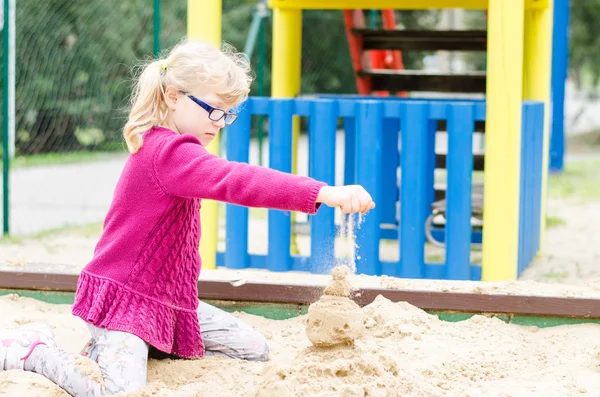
column 50, row 197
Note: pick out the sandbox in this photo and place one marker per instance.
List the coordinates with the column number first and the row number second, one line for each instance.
column 414, row 342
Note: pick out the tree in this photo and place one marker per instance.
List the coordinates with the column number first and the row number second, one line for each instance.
column 585, row 41
column 74, row 62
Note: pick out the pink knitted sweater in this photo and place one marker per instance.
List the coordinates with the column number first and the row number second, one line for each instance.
column 142, row 278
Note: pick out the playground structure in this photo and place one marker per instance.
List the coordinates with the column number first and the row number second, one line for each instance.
column 509, row 86
column 416, row 119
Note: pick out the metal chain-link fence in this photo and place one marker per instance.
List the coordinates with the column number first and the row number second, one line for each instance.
column 73, row 71
column 74, row 60
column 73, row 63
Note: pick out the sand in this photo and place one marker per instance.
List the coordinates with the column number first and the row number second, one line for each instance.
column 335, row 319
column 402, row 351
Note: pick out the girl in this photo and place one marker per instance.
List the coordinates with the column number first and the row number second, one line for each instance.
column 138, row 294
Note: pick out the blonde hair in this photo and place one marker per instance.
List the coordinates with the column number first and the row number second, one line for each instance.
column 189, row 64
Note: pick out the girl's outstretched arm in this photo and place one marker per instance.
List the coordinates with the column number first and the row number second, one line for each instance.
column 183, row 168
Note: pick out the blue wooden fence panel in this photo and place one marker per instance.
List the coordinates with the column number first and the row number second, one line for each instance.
column 432, row 127
column 389, row 180
column 523, row 203
column 280, row 158
column 530, row 183
column 322, row 139
column 461, row 124
column 236, row 239
column 537, row 173
column 349, row 150
column 413, row 196
column 369, row 138
column 530, row 179
column 371, row 160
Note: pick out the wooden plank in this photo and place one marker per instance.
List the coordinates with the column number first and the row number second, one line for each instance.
column 306, row 294
column 423, row 40
column 411, row 80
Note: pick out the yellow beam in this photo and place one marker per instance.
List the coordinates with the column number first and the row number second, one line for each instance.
column 536, row 82
column 286, row 73
column 287, row 53
column 503, row 139
column 204, row 23
column 392, row 4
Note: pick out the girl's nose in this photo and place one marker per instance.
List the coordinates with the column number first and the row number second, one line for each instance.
column 220, row 123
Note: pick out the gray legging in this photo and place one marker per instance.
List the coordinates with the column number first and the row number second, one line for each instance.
column 122, row 357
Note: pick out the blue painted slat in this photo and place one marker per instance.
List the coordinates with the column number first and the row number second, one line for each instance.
column 280, row 158
column 437, row 110
column 236, row 217
column 458, row 195
column 349, row 151
column 432, row 126
column 534, row 164
column 538, row 172
column 369, row 136
column 533, row 175
column 322, row 130
column 530, row 180
column 303, row 107
column 389, row 179
column 392, row 109
column 260, row 105
column 413, row 189
column 522, row 240
column 560, row 61
column 480, row 111
column 346, row 108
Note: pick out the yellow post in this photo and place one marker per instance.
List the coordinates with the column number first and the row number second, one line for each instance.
column 536, row 82
column 503, row 139
column 204, row 23
column 286, row 72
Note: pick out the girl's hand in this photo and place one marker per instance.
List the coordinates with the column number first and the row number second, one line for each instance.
column 351, row 199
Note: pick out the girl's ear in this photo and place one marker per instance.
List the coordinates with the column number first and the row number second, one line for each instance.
column 171, row 98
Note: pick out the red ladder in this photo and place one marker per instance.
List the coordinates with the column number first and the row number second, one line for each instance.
column 377, row 59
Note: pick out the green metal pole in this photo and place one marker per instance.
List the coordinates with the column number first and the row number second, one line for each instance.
column 262, row 43
column 5, row 116
column 156, row 28
column 255, row 26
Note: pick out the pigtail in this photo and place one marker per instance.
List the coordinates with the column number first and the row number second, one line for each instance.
column 148, row 107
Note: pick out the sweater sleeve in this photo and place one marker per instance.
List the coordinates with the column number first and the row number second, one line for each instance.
column 184, row 168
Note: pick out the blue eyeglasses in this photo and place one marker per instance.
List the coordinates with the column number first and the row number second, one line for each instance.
column 214, row 114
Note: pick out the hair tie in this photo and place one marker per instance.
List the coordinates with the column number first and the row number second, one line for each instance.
column 163, row 65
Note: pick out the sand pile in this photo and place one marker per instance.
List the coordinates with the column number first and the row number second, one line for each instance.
column 335, row 319
column 400, row 350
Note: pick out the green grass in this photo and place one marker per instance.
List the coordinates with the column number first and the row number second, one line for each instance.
column 61, row 158
column 554, row 221
column 86, row 230
column 580, row 180
column 555, row 275
column 11, row 240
